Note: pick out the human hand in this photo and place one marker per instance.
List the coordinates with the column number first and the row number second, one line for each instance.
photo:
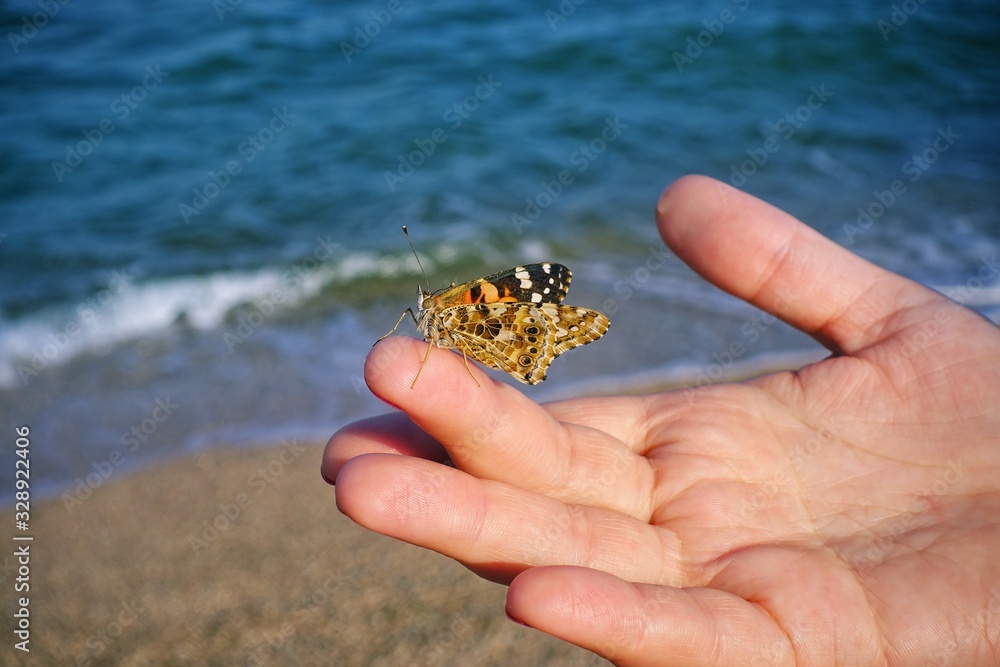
column 846, row 513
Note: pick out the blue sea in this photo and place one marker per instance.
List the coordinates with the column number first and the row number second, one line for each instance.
column 201, row 201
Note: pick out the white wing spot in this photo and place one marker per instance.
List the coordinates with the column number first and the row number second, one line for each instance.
column 536, row 297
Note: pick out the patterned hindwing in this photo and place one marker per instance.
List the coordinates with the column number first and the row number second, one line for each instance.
column 575, row 326
column 521, row 339
column 532, row 283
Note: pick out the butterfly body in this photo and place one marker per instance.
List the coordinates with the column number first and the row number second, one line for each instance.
column 512, row 321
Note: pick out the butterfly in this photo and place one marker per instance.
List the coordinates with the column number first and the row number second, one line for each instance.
column 513, row 321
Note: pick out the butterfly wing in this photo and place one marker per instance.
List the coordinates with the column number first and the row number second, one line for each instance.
column 521, row 339
column 574, row 326
column 532, row 283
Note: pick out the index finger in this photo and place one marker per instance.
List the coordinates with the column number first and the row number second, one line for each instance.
column 493, row 431
column 769, row 258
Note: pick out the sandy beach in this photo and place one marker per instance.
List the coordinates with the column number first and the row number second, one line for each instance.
column 240, row 557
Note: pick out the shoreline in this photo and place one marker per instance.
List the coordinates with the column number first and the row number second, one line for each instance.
column 240, row 557
column 688, row 378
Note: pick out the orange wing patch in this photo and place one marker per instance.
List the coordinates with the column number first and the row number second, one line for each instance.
column 487, row 292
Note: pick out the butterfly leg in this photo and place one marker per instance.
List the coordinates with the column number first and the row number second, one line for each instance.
column 422, row 364
column 471, row 374
column 393, row 329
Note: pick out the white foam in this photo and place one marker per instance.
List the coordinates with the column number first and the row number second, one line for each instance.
column 58, row 334
column 129, row 310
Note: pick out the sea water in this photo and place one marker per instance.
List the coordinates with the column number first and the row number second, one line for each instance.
column 201, row 201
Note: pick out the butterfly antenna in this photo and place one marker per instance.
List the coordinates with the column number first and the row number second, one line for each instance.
column 412, row 249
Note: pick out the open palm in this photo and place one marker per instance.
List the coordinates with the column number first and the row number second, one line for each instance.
column 846, row 513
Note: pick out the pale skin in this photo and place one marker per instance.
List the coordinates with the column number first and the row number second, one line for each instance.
column 846, row 513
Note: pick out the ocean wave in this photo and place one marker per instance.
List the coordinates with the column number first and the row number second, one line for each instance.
column 126, row 310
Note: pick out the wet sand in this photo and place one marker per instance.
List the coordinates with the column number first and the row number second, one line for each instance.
column 240, row 557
